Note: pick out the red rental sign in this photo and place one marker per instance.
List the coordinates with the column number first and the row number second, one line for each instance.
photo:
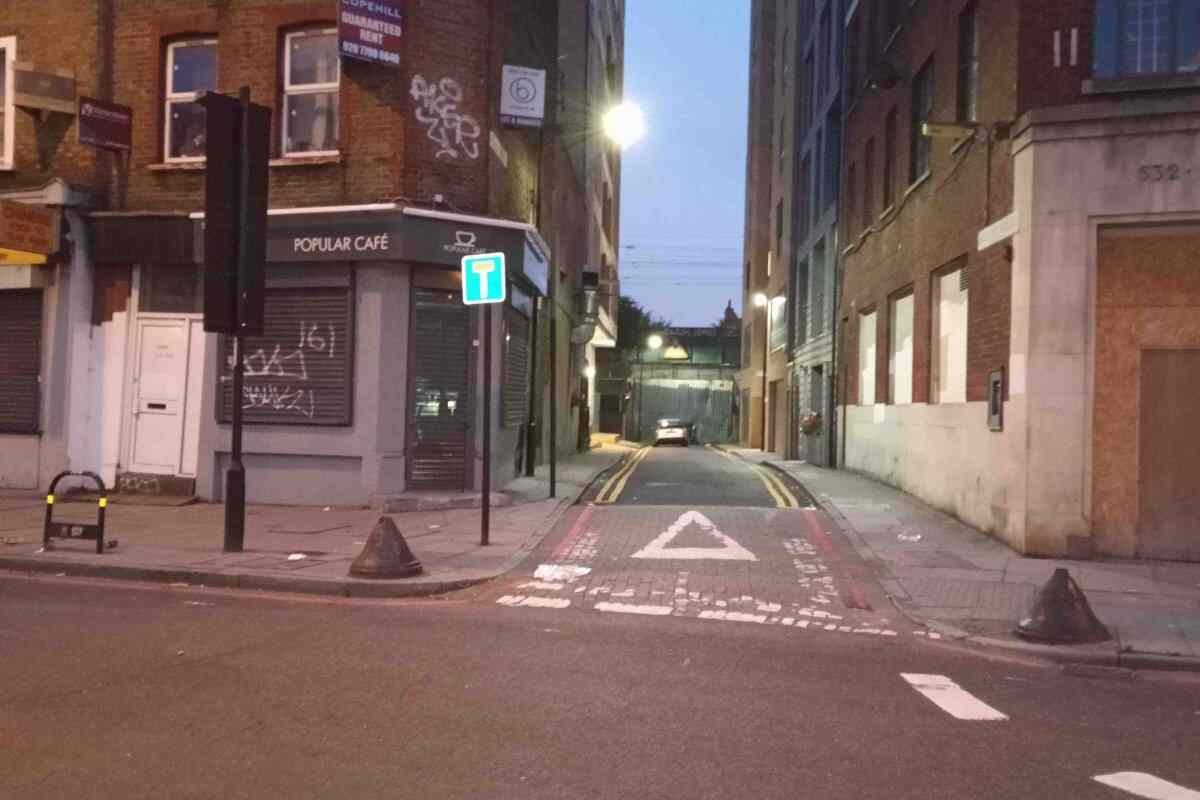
column 370, row 30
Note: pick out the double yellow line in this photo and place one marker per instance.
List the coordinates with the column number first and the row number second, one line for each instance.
column 780, row 493
column 775, row 486
column 616, row 484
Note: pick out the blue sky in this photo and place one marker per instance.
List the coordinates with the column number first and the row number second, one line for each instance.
column 683, row 185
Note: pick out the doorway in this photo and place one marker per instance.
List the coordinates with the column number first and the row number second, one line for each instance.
column 1169, row 455
column 774, row 410
column 167, row 373
column 440, row 408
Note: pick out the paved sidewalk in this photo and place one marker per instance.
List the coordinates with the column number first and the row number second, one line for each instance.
column 968, row 585
column 297, row 549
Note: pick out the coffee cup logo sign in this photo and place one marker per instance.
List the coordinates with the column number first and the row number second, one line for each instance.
column 464, row 244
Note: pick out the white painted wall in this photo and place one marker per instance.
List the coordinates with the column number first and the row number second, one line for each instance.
column 96, row 406
column 942, row 453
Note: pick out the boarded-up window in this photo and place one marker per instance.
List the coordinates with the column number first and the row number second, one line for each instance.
column 515, row 399
column 20, row 360
column 299, row 372
column 866, row 359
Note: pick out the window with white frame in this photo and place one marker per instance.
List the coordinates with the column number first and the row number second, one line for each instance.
column 900, row 357
column 949, row 373
column 311, row 72
column 866, row 359
column 191, row 71
column 8, row 117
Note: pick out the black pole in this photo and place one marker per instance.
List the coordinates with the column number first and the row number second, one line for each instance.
column 486, row 502
column 553, row 387
column 641, row 389
column 766, row 338
column 532, row 429
column 235, row 476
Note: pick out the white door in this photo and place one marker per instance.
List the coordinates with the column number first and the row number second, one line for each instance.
column 160, row 391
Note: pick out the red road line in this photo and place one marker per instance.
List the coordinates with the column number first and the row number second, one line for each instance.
column 575, row 534
column 851, row 592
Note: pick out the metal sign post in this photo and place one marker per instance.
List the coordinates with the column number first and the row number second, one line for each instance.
column 484, row 283
column 238, row 137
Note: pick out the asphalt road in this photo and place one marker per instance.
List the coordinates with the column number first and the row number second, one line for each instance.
column 122, row 690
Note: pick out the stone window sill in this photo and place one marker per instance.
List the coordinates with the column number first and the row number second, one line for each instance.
column 306, row 161
column 177, row 166
column 1153, row 83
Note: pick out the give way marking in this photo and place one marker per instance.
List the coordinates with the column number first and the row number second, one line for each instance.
column 729, row 550
column 952, row 698
column 1145, row 785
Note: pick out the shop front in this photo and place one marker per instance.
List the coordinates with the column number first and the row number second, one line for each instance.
column 43, row 298
column 364, row 384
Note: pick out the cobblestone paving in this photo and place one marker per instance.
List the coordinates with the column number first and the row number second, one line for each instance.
column 779, row 567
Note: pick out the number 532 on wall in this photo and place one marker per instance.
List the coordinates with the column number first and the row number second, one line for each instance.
column 1153, row 173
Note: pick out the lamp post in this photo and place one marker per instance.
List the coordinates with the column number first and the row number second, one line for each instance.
column 653, row 342
column 761, row 301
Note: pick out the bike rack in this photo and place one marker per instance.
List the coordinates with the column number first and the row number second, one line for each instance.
column 75, row 530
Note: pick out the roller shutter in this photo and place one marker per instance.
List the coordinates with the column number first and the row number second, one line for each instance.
column 299, row 372
column 440, row 409
column 20, row 360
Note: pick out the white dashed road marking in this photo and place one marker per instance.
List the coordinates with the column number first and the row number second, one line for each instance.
column 1145, row 785
column 952, row 698
column 535, row 602
column 630, row 608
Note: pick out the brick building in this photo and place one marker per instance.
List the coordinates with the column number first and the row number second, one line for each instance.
column 792, row 187
column 1017, row 329
column 381, row 177
column 759, row 276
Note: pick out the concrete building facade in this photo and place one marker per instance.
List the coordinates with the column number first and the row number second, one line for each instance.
column 365, row 384
column 1015, row 331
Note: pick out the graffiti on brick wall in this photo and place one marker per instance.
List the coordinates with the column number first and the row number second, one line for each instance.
column 437, row 108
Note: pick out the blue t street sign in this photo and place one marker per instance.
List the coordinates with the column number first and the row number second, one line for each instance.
column 483, row 279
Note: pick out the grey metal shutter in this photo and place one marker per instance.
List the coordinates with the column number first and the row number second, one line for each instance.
column 299, row 372
column 514, row 410
column 441, row 405
column 20, row 360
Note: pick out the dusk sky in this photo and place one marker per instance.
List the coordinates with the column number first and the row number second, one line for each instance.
column 683, row 185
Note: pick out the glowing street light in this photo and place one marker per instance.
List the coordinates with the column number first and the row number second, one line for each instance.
column 760, row 300
column 624, row 124
column 654, row 342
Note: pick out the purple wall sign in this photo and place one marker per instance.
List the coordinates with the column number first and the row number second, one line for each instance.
column 105, row 125
column 370, row 30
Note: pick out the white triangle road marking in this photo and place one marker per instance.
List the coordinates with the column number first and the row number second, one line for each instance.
column 728, row 551
column 1145, row 785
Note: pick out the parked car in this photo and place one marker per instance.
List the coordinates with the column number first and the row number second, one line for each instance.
column 672, row 430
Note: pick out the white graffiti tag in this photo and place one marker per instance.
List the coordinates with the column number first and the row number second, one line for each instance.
column 456, row 134
column 280, row 398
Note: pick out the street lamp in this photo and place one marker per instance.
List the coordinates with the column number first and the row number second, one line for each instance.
column 653, row 342
column 624, row 124
column 763, row 302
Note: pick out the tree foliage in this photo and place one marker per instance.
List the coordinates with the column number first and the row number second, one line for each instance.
column 635, row 323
